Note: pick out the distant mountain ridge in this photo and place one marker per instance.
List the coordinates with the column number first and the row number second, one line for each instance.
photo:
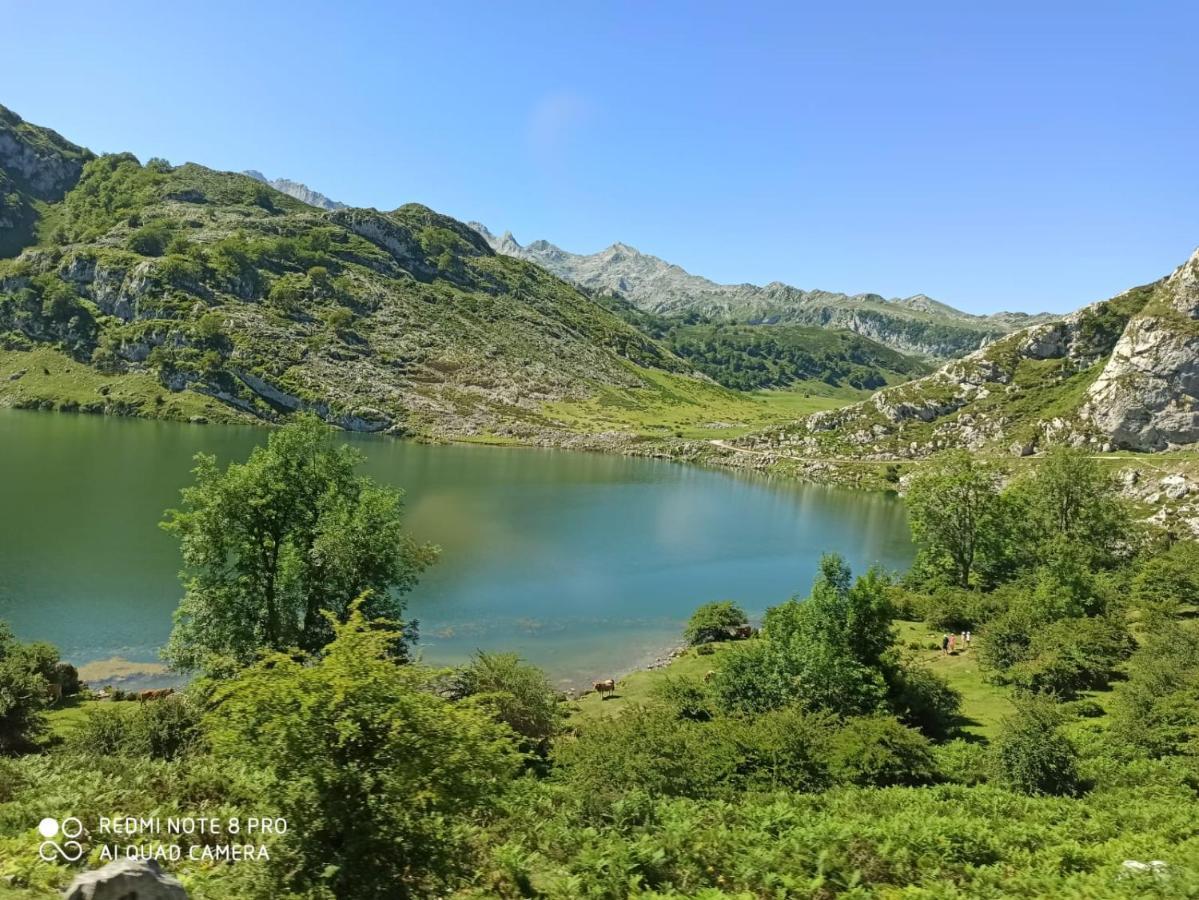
column 1121, row 374
column 297, row 191
column 916, row 324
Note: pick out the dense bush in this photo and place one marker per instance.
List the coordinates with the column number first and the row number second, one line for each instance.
column 879, row 751
column 1032, row 755
column 1072, row 655
column 1157, row 710
column 646, row 750
column 160, row 729
column 1166, row 582
column 152, row 238
column 714, row 622
column 786, row 749
column 383, row 777
column 515, row 693
column 24, row 691
column 688, row 697
column 1005, row 641
column 923, row 699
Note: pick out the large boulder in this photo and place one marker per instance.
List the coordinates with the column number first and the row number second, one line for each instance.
column 126, row 879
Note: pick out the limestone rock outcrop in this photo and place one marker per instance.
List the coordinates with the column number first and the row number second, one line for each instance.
column 1147, row 396
column 126, row 879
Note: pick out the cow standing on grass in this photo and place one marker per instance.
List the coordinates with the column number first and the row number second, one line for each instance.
column 607, row 686
column 158, row 694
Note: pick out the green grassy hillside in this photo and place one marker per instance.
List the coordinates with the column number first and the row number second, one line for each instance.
column 181, row 292
column 180, row 282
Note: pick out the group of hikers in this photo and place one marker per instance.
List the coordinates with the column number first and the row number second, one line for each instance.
column 949, row 642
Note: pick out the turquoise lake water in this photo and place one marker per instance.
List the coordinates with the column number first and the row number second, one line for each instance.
column 585, row 564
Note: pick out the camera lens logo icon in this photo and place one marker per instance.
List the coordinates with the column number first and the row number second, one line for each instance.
column 69, row 849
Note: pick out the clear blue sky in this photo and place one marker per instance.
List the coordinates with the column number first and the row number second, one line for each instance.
column 1022, row 156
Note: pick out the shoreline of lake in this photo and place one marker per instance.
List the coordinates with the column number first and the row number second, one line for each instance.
column 585, row 564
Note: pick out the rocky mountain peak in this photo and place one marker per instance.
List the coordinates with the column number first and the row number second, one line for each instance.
column 1183, row 283
column 917, row 324
column 296, row 190
column 40, row 162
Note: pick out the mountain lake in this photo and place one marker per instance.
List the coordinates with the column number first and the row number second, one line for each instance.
column 585, row 564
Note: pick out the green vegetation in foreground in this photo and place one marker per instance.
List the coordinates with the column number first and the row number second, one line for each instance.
column 668, row 405
column 834, row 753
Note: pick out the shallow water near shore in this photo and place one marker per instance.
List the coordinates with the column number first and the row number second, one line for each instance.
column 585, row 564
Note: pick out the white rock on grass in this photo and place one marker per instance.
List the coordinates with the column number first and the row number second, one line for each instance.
column 126, row 879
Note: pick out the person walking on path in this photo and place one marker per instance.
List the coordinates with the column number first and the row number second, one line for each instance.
column 952, row 639
column 968, row 637
column 945, row 643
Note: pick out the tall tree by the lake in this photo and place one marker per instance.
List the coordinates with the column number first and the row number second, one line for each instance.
column 275, row 546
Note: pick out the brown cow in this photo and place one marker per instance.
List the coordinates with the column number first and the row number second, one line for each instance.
column 607, row 686
column 156, row 694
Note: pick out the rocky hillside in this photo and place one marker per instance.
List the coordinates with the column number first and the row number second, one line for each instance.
column 917, row 325
column 297, row 191
column 37, row 166
column 1122, row 374
column 180, row 291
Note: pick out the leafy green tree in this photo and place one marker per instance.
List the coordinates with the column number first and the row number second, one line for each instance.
column 956, row 514
column 825, row 652
column 1032, row 755
column 515, row 693
column 713, row 622
column 24, row 692
column 1069, row 507
column 272, row 544
column 380, row 776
